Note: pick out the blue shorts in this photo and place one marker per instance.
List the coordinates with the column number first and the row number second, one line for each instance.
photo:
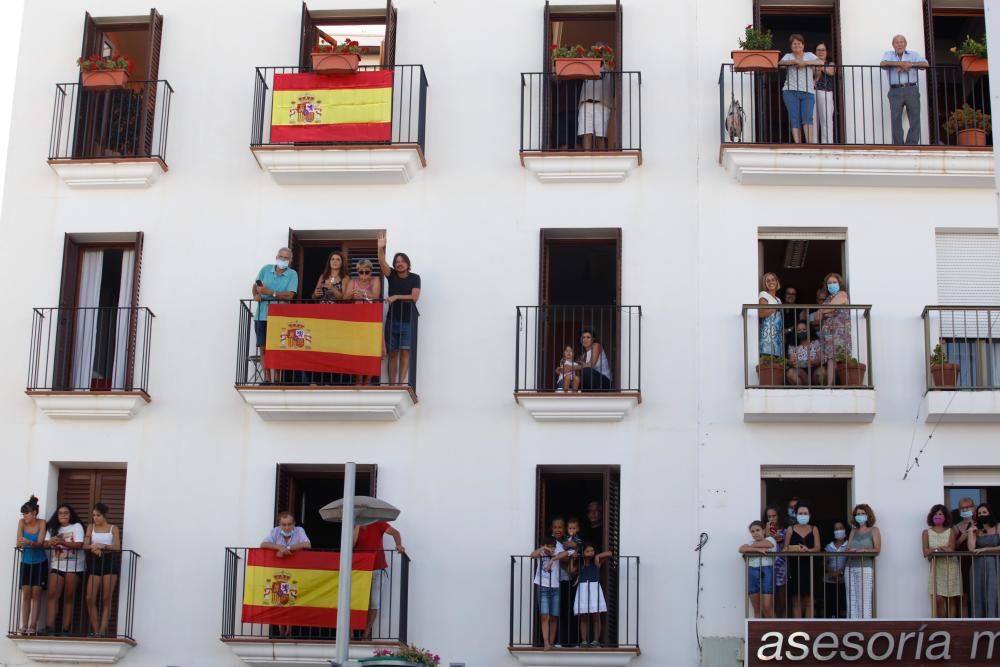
column 260, row 328
column 800, row 107
column 548, row 601
column 760, row 580
column 398, row 335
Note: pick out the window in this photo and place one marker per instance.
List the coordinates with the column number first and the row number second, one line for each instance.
column 311, row 251
column 82, row 488
column 374, row 29
column 981, row 483
column 303, row 489
column 802, row 258
column 828, row 490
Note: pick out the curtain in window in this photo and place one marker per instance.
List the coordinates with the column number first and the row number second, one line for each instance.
column 85, row 335
column 124, row 319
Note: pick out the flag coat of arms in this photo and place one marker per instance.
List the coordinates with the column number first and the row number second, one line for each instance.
column 302, row 589
column 325, row 338
column 332, row 107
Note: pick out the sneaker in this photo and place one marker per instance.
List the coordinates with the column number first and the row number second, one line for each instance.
column 557, row 645
column 595, row 643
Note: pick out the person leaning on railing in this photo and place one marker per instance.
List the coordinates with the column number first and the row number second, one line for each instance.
column 904, row 92
column 984, row 542
column 275, row 282
column 834, row 592
column 369, row 538
column 403, row 293
column 798, row 93
column 825, row 83
column 865, row 538
column 103, row 542
column 286, row 538
column 760, row 570
column 803, row 537
column 31, row 540
column 66, row 536
column 945, row 580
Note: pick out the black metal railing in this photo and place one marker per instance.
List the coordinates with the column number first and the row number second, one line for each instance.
column 618, row 588
column 408, row 107
column 390, row 596
column 544, row 333
column 92, row 598
column 857, row 110
column 90, row 349
column 128, row 122
column 795, row 584
column 962, row 347
column 581, row 115
column 834, row 351
column 398, row 319
column 964, row 584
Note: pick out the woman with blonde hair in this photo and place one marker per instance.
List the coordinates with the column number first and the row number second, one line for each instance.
column 365, row 287
column 835, row 325
column 771, row 321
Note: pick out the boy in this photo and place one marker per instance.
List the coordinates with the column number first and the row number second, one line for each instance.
column 547, row 584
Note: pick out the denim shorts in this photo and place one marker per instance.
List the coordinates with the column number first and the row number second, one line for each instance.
column 548, row 601
column 760, row 580
column 800, row 107
column 398, row 334
column 260, row 328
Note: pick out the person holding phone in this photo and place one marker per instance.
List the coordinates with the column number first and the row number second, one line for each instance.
column 275, row 282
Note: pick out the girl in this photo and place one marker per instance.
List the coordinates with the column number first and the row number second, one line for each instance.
column 802, row 537
column 65, row 540
column 760, row 570
column 104, row 563
column 859, row 573
column 335, row 283
column 945, row 581
column 589, row 603
column 773, row 528
column 834, row 595
column 569, row 379
column 31, row 540
column 984, row 539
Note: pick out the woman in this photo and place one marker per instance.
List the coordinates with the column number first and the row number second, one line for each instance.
column 103, row 545
column 824, row 83
column 365, row 287
column 803, row 537
column 773, row 527
column 983, row 540
column 335, row 282
column 860, row 570
column 945, row 582
column 31, row 540
column 65, row 541
column 771, row 320
column 595, row 371
column 834, row 594
column 835, row 328
column 798, row 92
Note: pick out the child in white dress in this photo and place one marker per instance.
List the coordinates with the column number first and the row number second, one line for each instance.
column 569, row 379
column 589, row 604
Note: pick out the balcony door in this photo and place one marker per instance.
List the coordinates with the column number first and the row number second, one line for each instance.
column 311, row 250
column 802, row 259
column 303, row 489
column 373, row 29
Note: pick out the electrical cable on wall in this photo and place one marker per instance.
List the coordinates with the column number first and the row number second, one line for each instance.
column 915, row 463
column 702, row 541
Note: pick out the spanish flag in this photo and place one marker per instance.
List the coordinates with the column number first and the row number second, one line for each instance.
column 302, row 589
column 328, row 108
column 325, row 338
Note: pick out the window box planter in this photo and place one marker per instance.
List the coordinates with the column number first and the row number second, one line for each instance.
column 335, row 63
column 755, row 61
column 974, row 64
column 945, row 375
column 972, row 137
column 104, row 79
column 771, row 374
column 387, row 662
column 851, row 374
column 578, row 68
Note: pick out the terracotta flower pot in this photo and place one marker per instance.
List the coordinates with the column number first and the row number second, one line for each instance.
column 335, row 63
column 104, row 79
column 755, row 61
column 972, row 137
column 945, row 375
column 974, row 64
column 578, row 68
column 851, row 375
column 771, row 375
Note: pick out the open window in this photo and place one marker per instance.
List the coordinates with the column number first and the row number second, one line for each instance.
column 311, row 250
column 802, row 258
column 303, row 489
column 829, row 491
column 374, row 29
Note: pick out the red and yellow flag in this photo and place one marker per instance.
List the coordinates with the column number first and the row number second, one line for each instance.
column 302, row 589
column 335, row 107
column 325, row 338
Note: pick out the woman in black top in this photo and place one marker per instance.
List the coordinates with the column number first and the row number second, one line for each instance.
column 401, row 320
column 824, row 80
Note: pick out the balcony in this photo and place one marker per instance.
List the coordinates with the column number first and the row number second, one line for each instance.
column 90, row 363
column 293, row 393
column 263, row 645
column 962, row 363
column 543, row 333
column 561, row 132
column 79, row 642
column 618, row 640
column 827, row 378
column 378, row 138
column 110, row 138
column 757, row 147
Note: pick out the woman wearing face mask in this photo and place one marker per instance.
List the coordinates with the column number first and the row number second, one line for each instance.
column 860, row 570
column 773, row 527
column 983, row 541
column 835, row 329
column 834, row 593
column 945, row 582
column 803, row 537
column 31, row 540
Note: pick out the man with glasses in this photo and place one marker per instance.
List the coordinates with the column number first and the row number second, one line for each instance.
column 275, row 282
column 904, row 89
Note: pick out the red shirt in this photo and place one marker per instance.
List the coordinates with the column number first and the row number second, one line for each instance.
column 370, row 539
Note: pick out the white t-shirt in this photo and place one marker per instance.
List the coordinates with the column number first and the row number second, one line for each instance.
column 799, row 78
column 68, row 560
column 762, row 561
column 551, row 578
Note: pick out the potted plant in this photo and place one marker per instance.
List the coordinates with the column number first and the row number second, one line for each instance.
column 970, row 125
column 850, row 371
column 406, row 656
column 771, row 370
column 104, row 72
column 944, row 374
column 755, row 53
column 576, row 62
column 335, row 58
column 972, row 56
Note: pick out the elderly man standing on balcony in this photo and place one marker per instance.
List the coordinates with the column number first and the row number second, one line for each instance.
column 275, row 282
column 904, row 90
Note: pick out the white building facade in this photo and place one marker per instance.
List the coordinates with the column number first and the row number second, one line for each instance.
column 656, row 237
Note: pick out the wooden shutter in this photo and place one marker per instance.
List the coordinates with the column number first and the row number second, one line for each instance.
column 540, row 502
column 307, row 40
column 62, row 362
column 612, row 486
column 929, row 32
column 547, row 37
column 756, row 14
column 92, row 36
column 618, row 36
column 83, row 488
column 152, row 73
column 133, row 328
column 389, row 44
column 284, row 491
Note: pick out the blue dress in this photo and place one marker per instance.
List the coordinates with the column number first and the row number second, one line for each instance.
column 772, row 338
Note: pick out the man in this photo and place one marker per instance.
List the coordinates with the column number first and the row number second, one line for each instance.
column 402, row 296
column 594, row 533
column 904, row 89
column 275, row 282
column 966, row 520
column 369, row 539
column 286, row 538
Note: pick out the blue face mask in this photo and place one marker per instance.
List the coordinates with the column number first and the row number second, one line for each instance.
column 281, row 264
column 861, row 519
column 965, row 514
column 840, row 534
column 833, row 288
column 791, row 512
column 803, row 519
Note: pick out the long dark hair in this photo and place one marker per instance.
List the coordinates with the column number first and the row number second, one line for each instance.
column 344, row 270
column 101, row 509
column 30, row 506
column 53, row 522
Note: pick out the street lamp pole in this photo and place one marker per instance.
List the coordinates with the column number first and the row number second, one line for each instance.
column 346, row 562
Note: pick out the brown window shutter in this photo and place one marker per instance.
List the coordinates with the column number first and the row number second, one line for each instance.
column 307, row 40
column 110, row 490
column 389, row 44
column 62, row 363
column 138, row 267
column 76, row 489
column 155, row 37
column 92, row 35
column 929, row 32
column 618, row 35
column 152, row 73
column 547, row 37
column 284, row 497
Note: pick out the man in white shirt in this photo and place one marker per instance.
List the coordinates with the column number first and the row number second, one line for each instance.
column 904, row 89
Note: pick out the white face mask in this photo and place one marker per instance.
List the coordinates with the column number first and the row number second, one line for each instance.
column 840, row 534
column 281, row 264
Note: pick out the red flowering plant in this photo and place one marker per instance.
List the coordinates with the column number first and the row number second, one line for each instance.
column 115, row 62
column 347, row 46
column 412, row 654
column 602, row 51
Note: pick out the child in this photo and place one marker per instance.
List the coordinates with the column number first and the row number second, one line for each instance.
column 569, row 379
column 589, row 603
column 760, row 571
column 573, row 544
column 547, row 584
